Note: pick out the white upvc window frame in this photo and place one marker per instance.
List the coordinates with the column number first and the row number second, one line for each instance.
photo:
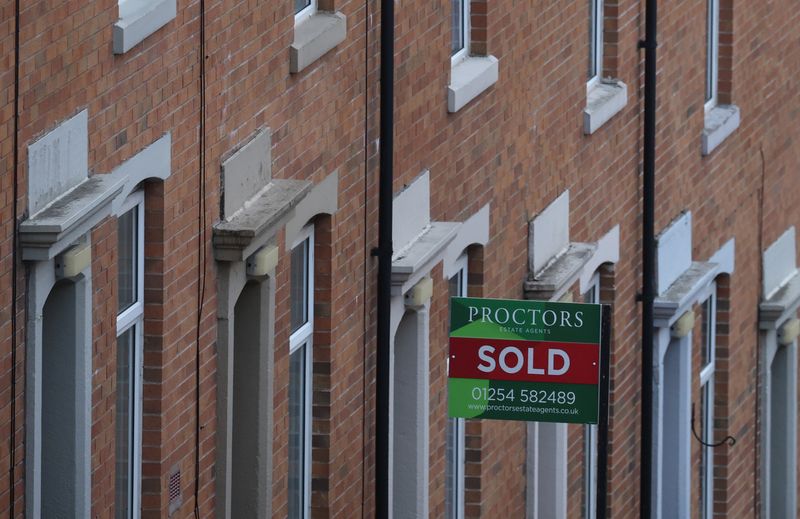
column 306, row 12
column 592, row 295
column 595, row 71
column 707, row 381
column 303, row 337
column 456, row 433
column 712, row 55
column 463, row 53
column 133, row 317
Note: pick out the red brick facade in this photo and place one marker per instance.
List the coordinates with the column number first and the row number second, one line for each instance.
column 516, row 147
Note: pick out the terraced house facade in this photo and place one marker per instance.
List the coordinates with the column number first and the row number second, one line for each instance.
column 190, row 206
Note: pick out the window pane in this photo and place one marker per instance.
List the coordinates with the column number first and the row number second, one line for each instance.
column 454, row 285
column 454, row 445
column 592, row 38
column 299, row 5
column 299, row 285
column 707, row 351
column 125, row 422
column 457, row 26
column 709, row 49
column 127, row 255
column 297, row 431
column 591, row 295
column 705, row 424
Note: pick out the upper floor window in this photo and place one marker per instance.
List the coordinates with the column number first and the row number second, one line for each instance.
column 455, row 444
column 595, row 68
column 707, row 369
column 592, row 296
column 300, row 373
column 712, row 52
column 130, row 320
column 459, row 29
column 303, row 9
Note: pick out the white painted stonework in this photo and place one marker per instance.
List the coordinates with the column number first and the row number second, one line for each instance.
column 549, row 233
column 474, row 230
column 411, row 211
column 58, row 161
column 246, row 172
column 779, row 262
column 607, row 252
column 674, row 251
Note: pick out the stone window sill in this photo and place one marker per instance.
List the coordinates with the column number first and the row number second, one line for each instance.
column 603, row 101
column 137, row 22
column 314, row 37
column 469, row 78
column 720, row 122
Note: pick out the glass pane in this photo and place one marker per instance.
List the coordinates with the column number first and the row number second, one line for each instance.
column 125, row 423
column 299, row 5
column 451, row 473
column 299, row 285
column 592, row 39
column 707, row 351
column 704, row 432
column 457, row 26
column 591, row 295
column 453, row 445
column 454, row 284
column 127, row 268
column 709, row 48
column 297, row 428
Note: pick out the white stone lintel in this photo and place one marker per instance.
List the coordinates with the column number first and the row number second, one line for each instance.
column 68, row 217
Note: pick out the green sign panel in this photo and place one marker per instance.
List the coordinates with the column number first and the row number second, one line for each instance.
column 524, row 360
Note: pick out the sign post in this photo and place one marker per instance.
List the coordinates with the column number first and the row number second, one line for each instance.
column 537, row 361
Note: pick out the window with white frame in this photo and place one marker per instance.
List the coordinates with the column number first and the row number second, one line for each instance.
column 459, row 30
column 712, row 52
column 592, row 295
column 706, row 414
column 300, row 373
column 595, row 68
column 303, row 9
column 130, row 319
column 455, row 448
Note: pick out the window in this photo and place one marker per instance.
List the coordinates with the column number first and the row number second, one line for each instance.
column 454, row 450
column 472, row 69
column 592, row 295
column 316, row 32
column 722, row 117
column 706, row 414
column 459, row 30
column 303, row 9
column 712, row 52
column 130, row 292
column 300, row 363
column 595, row 69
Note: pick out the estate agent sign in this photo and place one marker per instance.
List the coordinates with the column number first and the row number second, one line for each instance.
column 524, row 360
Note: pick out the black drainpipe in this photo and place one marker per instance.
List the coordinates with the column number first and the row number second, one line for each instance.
column 648, row 253
column 384, row 253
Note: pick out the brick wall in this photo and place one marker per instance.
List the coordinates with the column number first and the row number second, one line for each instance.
column 517, row 146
